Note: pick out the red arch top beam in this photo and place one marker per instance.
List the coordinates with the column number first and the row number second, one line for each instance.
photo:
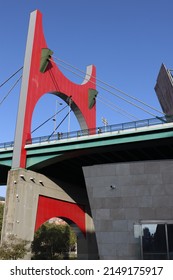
column 49, row 208
column 39, row 79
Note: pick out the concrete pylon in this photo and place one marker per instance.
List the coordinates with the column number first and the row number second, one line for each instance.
column 32, row 199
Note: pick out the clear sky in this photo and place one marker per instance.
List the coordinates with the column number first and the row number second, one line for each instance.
column 127, row 40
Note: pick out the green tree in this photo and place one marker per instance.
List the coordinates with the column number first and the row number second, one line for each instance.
column 13, row 249
column 52, row 241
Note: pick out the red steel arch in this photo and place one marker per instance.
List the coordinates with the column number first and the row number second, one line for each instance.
column 36, row 82
column 49, row 207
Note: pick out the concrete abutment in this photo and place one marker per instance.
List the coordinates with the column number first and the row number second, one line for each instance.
column 33, row 198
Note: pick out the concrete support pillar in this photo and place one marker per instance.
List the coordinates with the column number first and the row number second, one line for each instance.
column 21, row 206
column 24, row 188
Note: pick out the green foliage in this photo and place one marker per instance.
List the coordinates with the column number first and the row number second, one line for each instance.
column 13, row 249
column 1, row 216
column 52, row 241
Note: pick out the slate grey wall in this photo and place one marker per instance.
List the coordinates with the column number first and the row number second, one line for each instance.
column 141, row 191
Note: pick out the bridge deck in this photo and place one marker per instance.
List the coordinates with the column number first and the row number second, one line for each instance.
column 108, row 129
column 145, row 139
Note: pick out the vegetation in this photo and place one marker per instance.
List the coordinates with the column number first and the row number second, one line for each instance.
column 52, row 242
column 13, row 249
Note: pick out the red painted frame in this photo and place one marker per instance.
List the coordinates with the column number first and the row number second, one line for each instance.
column 34, row 85
column 50, row 207
column 52, row 81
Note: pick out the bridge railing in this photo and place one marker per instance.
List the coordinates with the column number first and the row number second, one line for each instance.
column 7, row 145
column 98, row 130
column 87, row 132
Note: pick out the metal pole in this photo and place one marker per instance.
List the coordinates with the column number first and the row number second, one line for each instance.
column 105, row 122
column 55, row 118
column 70, row 102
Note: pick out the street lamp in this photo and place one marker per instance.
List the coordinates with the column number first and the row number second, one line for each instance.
column 56, row 111
column 105, row 122
column 69, row 101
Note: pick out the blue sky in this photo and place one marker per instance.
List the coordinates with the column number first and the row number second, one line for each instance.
column 127, row 40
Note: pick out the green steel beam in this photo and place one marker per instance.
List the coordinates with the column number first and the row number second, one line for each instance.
column 31, row 161
column 58, row 149
column 6, row 157
column 98, row 142
column 40, row 153
column 6, row 162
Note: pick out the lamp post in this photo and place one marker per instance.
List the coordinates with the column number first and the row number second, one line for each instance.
column 56, row 111
column 69, row 101
column 105, row 122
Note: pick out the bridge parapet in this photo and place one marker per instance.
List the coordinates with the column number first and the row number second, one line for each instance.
column 91, row 131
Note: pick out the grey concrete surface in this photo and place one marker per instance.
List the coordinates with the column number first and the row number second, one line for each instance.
column 140, row 191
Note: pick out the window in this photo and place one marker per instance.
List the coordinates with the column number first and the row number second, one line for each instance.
column 157, row 241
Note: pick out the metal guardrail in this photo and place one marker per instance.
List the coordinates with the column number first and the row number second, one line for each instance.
column 93, row 131
column 7, row 145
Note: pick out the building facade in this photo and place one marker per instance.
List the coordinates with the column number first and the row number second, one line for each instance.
column 132, row 209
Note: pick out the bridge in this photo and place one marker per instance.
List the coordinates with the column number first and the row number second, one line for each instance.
column 113, row 143
column 109, row 183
